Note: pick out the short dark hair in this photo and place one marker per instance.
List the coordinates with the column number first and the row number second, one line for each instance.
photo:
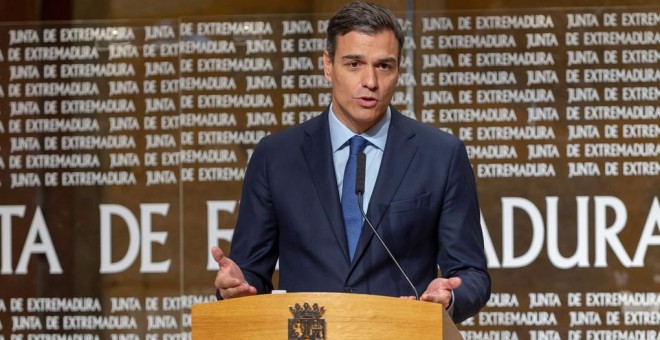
column 364, row 17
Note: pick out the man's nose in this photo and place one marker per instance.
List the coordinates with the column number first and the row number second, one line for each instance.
column 370, row 78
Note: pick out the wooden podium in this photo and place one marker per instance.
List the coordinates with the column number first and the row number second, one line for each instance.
column 329, row 316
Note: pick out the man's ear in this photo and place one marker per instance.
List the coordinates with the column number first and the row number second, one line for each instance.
column 327, row 66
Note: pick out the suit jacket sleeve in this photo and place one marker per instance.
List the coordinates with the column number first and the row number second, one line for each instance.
column 254, row 244
column 461, row 239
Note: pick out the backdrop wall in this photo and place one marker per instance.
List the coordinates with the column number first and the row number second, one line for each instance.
column 123, row 144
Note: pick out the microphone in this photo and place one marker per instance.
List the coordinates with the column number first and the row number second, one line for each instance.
column 359, row 191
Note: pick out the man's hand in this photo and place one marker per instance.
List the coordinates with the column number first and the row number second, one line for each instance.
column 230, row 280
column 439, row 290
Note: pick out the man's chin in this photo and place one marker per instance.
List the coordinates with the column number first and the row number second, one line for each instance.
column 367, row 118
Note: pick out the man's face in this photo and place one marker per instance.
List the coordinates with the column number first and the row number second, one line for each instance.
column 363, row 74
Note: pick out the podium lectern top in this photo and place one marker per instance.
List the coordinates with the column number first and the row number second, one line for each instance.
column 321, row 316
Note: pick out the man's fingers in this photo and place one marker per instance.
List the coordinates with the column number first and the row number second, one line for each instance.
column 238, row 291
column 227, row 282
column 454, row 282
column 439, row 290
column 219, row 256
column 441, row 297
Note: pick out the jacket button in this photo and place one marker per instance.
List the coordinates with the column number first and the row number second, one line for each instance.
column 349, row 289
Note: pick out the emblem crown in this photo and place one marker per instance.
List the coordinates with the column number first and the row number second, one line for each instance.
column 306, row 311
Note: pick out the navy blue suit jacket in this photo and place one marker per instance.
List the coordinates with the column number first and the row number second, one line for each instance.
column 424, row 206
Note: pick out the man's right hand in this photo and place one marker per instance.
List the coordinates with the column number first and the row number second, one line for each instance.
column 230, row 281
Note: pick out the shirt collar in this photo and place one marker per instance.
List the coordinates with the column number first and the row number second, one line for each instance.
column 376, row 135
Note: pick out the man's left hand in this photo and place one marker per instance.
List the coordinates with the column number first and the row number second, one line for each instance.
column 439, row 290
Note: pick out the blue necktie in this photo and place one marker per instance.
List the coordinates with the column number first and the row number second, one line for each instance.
column 349, row 201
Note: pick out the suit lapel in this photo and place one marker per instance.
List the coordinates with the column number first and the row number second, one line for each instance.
column 399, row 152
column 317, row 150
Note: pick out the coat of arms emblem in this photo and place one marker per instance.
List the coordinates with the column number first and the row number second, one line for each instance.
column 307, row 323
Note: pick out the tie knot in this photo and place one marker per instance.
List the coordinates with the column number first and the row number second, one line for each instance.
column 357, row 144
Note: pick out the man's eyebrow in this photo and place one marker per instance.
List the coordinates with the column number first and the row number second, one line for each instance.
column 362, row 57
column 352, row 56
column 388, row 60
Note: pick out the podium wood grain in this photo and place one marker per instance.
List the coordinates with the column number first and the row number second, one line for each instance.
column 347, row 316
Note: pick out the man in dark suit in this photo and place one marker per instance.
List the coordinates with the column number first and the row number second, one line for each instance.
column 420, row 192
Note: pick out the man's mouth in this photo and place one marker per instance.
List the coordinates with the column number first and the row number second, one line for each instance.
column 367, row 101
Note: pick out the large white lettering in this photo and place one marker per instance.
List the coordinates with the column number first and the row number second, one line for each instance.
column 608, row 235
column 38, row 231
column 37, row 241
column 610, row 217
column 140, row 235
column 509, row 260
column 213, row 209
column 652, row 225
